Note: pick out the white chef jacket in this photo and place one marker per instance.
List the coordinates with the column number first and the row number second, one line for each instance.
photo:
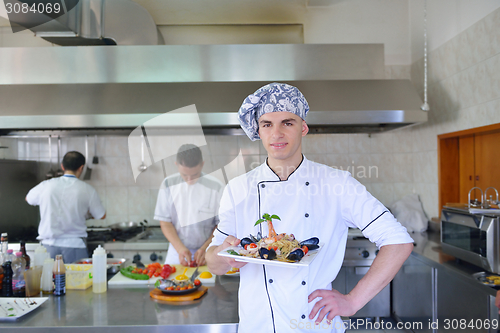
column 192, row 209
column 64, row 203
column 315, row 201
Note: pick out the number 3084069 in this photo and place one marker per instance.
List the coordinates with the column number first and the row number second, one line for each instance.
column 473, row 324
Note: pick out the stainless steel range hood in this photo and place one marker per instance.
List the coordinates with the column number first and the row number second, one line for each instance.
column 122, row 87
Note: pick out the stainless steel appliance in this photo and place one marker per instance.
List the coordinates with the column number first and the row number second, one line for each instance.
column 359, row 256
column 471, row 237
column 144, row 244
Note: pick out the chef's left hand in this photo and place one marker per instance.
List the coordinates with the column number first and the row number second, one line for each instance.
column 199, row 257
column 332, row 304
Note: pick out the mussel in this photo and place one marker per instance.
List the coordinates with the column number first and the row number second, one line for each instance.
column 311, row 243
column 257, row 238
column 296, row 255
column 246, row 241
column 267, row 254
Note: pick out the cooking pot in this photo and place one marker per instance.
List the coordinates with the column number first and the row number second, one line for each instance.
column 125, row 226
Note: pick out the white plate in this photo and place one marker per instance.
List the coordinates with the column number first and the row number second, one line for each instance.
column 304, row 262
column 12, row 308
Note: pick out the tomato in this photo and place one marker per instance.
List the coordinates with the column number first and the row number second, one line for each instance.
column 156, row 274
column 305, row 249
column 197, row 282
column 170, row 288
column 272, row 247
column 174, row 269
column 177, row 288
column 145, row 271
column 184, row 288
column 252, row 245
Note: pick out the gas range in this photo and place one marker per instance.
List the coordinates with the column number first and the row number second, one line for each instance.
column 147, row 245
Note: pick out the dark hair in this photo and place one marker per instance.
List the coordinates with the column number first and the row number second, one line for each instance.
column 189, row 155
column 73, row 160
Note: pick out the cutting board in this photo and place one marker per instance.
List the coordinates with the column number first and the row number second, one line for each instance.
column 157, row 294
column 120, row 280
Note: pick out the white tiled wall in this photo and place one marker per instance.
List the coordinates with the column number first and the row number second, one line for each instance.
column 464, row 92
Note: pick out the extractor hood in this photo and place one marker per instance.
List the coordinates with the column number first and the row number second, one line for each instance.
column 121, row 87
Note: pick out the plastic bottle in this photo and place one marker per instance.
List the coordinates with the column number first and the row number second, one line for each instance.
column 26, row 257
column 99, row 270
column 18, row 283
column 59, row 272
column 40, row 256
column 47, row 276
column 7, row 276
column 4, row 238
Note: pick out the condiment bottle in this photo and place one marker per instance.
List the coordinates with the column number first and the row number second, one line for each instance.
column 99, row 270
column 40, row 256
column 47, row 276
column 26, row 257
column 18, row 283
column 7, row 275
column 59, row 272
column 4, row 238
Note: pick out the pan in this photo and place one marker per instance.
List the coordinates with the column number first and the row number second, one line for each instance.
column 125, row 226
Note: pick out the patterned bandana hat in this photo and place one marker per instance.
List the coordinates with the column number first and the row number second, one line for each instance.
column 274, row 97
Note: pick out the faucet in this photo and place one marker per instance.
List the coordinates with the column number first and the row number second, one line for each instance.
column 475, row 200
column 487, row 204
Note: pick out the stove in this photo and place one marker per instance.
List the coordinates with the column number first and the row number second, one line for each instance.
column 106, row 235
column 145, row 244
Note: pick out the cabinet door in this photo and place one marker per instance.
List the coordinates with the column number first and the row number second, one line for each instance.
column 459, row 302
column 413, row 290
column 467, row 174
column 379, row 306
column 487, row 161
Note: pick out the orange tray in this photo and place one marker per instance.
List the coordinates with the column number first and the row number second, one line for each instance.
column 157, row 294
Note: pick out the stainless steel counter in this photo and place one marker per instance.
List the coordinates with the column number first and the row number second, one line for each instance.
column 428, row 248
column 133, row 310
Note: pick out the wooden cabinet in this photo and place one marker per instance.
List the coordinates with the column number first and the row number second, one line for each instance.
column 468, row 159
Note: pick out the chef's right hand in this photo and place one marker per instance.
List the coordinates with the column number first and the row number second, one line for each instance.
column 184, row 256
column 231, row 241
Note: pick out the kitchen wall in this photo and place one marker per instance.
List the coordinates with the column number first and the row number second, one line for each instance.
column 464, row 92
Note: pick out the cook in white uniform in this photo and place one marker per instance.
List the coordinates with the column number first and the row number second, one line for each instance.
column 312, row 200
column 187, row 208
column 65, row 203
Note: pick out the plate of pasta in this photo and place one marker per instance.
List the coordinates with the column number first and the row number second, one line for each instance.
column 234, row 252
column 275, row 249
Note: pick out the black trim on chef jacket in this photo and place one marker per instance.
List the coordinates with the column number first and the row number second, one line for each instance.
column 260, row 226
column 374, row 220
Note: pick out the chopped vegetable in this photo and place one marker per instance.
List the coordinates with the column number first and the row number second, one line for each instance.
column 233, row 252
column 128, row 272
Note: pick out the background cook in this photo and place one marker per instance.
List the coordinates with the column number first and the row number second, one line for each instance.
column 187, row 208
column 312, row 200
column 65, row 203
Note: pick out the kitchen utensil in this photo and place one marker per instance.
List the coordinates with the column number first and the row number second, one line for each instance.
column 50, row 173
column 95, row 160
column 125, row 226
column 182, row 276
column 88, row 170
column 59, row 171
column 143, row 166
column 194, row 275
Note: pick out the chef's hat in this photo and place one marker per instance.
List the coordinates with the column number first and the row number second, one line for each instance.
column 274, row 97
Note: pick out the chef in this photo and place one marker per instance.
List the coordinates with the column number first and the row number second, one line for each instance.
column 312, row 200
column 65, row 203
column 187, row 208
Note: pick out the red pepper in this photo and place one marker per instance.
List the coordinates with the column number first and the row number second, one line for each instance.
column 305, row 249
